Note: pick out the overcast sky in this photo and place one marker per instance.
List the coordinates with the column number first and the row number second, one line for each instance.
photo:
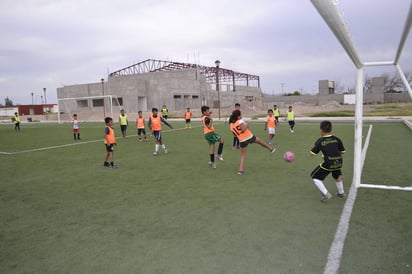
column 52, row 43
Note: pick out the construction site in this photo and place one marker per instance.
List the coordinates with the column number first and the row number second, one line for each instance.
column 156, row 83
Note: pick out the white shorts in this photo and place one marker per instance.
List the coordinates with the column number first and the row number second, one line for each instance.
column 271, row 130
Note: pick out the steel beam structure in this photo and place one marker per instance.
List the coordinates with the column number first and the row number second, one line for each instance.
column 225, row 75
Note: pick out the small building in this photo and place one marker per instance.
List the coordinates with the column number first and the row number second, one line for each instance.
column 28, row 109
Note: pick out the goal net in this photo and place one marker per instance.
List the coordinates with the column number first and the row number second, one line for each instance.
column 331, row 15
column 92, row 108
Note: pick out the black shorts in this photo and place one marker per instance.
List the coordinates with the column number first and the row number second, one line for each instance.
column 109, row 148
column 123, row 127
column 187, row 121
column 247, row 142
column 157, row 135
column 141, row 131
column 320, row 173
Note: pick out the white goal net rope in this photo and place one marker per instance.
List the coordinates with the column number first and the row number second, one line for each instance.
column 91, row 108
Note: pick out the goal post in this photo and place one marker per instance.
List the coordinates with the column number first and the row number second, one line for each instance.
column 93, row 107
column 331, row 15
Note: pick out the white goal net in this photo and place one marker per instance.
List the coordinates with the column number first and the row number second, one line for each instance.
column 92, row 108
column 331, row 15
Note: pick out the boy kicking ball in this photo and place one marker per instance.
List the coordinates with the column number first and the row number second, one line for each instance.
column 332, row 149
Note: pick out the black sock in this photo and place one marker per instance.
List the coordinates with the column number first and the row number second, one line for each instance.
column 220, row 149
column 212, row 158
column 74, row 136
column 111, row 163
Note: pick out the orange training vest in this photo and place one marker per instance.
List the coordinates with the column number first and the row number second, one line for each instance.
column 207, row 129
column 271, row 122
column 188, row 115
column 109, row 138
column 140, row 122
column 156, row 123
column 242, row 136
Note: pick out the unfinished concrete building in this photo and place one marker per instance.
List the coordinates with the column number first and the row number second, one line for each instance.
column 154, row 83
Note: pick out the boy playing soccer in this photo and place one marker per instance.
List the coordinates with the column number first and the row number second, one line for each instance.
column 109, row 142
column 270, row 126
column 16, row 120
column 155, row 125
column 140, row 125
column 76, row 128
column 240, row 128
column 332, row 149
column 188, row 117
column 291, row 119
column 123, row 122
column 276, row 113
column 211, row 136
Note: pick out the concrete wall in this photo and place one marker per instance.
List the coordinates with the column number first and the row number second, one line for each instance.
column 176, row 89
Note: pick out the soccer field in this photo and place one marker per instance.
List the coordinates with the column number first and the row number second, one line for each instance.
column 63, row 212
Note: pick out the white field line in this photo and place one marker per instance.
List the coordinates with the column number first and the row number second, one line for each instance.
column 50, row 147
column 336, row 249
column 405, row 188
column 73, row 144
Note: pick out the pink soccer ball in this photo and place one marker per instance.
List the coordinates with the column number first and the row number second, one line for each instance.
column 289, row 156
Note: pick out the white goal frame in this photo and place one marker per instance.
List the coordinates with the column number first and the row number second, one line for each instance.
column 110, row 97
column 330, row 14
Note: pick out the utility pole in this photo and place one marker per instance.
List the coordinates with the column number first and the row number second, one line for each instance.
column 217, row 63
column 45, row 100
column 104, row 104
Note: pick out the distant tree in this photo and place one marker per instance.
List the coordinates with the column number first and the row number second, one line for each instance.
column 367, row 86
column 8, row 102
column 295, row 93
column 393, row 83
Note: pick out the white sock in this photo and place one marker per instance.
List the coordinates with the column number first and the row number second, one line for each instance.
column 319, row 184
column 164, row 146
column 339, row 186
column 157, row 147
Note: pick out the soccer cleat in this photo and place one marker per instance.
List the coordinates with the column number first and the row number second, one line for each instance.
column 326, row 197
column 155, row 153
column 212, row 164
column 340, row 195
column 113, row 166
column 165, row 150
column 273, row 150
column 219, row 157
column 106, row 164
column 240, row 172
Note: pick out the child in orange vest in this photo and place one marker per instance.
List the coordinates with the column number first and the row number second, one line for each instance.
column 241, row 129
column 270, row 126
column 155, row 125
column 211, row 136
column 140, row 125
column 188, row 117
column 110, row 142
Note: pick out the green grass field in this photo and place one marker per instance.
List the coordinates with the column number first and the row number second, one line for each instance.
column 63, row 212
